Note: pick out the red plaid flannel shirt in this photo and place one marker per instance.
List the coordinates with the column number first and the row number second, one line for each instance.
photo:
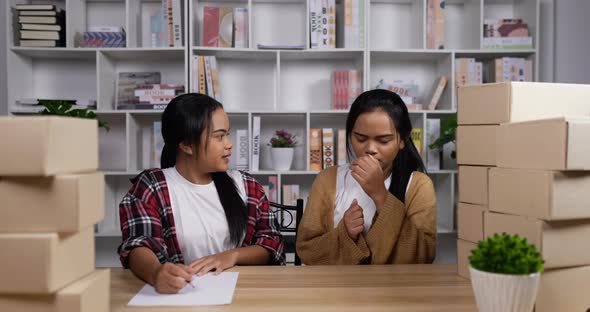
column 147, row 221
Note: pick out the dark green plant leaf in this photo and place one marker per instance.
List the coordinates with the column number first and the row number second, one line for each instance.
column 506, row 254
column 64, row 108
column 448, row 130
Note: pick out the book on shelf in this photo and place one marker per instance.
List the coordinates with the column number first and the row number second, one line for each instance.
column 241, row 28
column 507, row 43
column 437, row 90
column 328, row 147
column 158, row 37
column 35, row 7
column 350, row 24
column 505, row 27
column 104, row 39
column 315, row 149
column 206, row 76
column 347, row 85
column 416, row 136
column 242, row 150
column 157, row 144
column 40, row 27
column 435, row 24
column 56, row 12
column 171, row 13
column 414, row 106
column 225, row 27
column 39, row 34
column 255, row 143
column 432, row 155
column 402, row 88
column 40, row 19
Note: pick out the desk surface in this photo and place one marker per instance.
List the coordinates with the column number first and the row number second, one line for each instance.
column 327, row 288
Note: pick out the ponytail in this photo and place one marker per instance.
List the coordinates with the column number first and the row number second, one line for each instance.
column 168, row 157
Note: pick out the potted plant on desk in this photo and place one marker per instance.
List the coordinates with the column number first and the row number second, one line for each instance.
column 505, row 273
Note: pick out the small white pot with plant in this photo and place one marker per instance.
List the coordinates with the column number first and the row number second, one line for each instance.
column 283, row 147
column 505, row 272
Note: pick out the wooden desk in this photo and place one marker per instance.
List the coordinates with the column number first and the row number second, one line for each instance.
column 328, row 288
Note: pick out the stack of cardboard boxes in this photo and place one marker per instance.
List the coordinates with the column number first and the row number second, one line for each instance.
column 524, row 155
column 51, row 195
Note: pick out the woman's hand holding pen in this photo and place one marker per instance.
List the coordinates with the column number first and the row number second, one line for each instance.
column 367, row 171
column 170, row 278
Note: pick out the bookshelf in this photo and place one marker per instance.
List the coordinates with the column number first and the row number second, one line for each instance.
column 289, row 90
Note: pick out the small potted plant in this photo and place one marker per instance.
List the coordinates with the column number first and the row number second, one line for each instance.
column 66, row 108
column 448, row 131
column 282, row 147
column 505, row 272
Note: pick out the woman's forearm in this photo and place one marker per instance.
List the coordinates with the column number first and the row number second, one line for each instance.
column 144, row 263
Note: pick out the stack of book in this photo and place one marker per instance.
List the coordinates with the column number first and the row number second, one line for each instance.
column 225, row 27
column 205, row 76
column 506, row 33
column 41, row 25
column 52, row 196
column 523, row 169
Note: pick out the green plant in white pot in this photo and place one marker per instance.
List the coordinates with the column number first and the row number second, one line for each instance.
column 505, row 272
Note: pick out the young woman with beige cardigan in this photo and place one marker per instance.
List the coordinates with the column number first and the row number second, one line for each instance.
column 379, row 209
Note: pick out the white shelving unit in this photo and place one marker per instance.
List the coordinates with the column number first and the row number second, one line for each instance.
column 290, row 90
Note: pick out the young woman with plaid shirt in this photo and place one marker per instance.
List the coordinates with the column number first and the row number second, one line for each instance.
column 194, row 215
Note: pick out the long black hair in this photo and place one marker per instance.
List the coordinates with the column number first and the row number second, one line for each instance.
column 183, row 121
column 408, row 159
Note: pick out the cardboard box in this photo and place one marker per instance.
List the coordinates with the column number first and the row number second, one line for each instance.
column 463, row 252
column 561, row 243
column 42, row 263
column 476, row 145
column 546, row 195
column 473, row 184
column 564, row 290
column 89, row 294
column 63, row 203
column 470, row 222
column 45, row 146
column 550, row 144
column 497, row 103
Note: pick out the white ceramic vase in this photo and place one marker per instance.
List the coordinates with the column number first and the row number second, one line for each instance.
column 282, row 158
column 504, row 292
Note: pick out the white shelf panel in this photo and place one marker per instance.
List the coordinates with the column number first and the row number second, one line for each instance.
column 145, row 55
column 278, row 22
column 237, row 54
column 55, row 53
column 321, row 54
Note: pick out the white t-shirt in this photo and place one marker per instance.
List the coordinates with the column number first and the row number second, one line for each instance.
column 347, row 189
column 201, row 225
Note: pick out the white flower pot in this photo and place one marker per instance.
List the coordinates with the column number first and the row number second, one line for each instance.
column 504, row 292
column 282, row 157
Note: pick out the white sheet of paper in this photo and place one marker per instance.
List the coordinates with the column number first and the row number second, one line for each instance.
column 209, row 290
